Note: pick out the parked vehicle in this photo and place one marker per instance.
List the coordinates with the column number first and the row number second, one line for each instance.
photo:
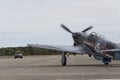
column 18, row 54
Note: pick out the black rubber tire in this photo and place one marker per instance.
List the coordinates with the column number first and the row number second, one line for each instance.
column 106, row 63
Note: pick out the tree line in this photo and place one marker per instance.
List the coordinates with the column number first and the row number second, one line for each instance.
column 27, row 50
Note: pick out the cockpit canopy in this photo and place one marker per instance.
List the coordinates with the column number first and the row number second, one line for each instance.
column 96, row 35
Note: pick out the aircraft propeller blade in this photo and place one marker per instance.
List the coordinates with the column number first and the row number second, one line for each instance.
column 87, row 29
column 64, row 27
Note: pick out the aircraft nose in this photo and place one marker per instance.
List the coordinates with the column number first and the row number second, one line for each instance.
column 77, row 36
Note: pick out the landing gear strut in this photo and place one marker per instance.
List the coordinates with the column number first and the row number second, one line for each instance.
column 63, row 59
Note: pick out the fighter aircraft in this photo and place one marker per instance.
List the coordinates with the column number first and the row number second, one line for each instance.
column 91, row 44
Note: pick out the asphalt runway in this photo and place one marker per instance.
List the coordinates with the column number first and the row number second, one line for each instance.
column 49, row 68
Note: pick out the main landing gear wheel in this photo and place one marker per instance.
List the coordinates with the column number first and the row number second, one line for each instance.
column 63, row 59
column 106, row 61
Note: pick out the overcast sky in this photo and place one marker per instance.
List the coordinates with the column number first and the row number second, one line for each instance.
column 38, row 21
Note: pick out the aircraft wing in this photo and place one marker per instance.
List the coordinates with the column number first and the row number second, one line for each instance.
column 71, row 49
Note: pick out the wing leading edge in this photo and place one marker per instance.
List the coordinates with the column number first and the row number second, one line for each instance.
column 71, row 49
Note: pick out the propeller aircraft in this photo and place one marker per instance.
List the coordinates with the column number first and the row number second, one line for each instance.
column 91, row 44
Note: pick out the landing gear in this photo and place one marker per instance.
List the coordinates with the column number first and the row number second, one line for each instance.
column 106, row 61
column 90, row 55
column 63, row 59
